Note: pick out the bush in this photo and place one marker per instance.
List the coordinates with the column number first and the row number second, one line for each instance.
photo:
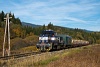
column 18, row 43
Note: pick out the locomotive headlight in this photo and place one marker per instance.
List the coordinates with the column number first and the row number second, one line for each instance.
column 53, row 38
column 43, row 38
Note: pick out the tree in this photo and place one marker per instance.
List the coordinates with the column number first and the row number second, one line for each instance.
column 50, row 26
column 44, row 27
column 2, row 16
column 18, row 21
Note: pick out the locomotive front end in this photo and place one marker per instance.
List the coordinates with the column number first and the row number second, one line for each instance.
column 45, row 40
column 43, row 43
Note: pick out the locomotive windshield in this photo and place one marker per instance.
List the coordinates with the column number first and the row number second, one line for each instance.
column 48, row 33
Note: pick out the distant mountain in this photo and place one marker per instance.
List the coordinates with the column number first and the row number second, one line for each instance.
column 29, row 24
column 34, row 25
column 88, row 31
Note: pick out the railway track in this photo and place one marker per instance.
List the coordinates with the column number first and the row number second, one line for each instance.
column 26, row 54
column 22, row 55
column 19, row 55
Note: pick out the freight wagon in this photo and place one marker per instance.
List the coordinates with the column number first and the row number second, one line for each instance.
column 76, row 43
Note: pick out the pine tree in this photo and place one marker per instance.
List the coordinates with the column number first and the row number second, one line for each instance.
column 44, row 27
column 50, row 26
column 1, row 18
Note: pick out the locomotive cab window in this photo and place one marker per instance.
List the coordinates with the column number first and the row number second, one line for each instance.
column 49, row 33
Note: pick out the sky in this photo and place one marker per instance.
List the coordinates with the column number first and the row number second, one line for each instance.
column 82, row 14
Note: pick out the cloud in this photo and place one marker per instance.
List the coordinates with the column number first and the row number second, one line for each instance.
column 70, row 12
column 75, row 19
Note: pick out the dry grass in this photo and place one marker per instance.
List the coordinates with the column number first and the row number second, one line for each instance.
column 87, row 56
column 28, row 49
column 32, row 61
column 24, row 50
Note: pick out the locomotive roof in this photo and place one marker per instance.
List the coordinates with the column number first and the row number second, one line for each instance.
column 64, row 35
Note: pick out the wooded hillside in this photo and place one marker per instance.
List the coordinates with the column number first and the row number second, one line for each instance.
column 23, row 36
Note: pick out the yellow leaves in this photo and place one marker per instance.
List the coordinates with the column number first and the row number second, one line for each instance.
column 17, row 31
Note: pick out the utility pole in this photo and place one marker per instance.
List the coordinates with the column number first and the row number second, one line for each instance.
column 6, row 35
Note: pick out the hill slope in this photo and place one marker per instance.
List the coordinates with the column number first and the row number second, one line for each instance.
column 22, row 30
column 29, row 24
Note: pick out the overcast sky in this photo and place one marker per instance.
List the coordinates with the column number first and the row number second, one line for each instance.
column 83, row 14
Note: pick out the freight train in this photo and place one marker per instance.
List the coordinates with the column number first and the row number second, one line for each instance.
column 50, row 40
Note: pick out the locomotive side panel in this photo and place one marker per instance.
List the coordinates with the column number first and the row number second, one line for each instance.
column 66, row 40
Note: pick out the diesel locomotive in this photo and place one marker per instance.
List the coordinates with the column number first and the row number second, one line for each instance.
column 49, row 40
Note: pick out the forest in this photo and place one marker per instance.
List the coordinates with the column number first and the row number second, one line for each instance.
column 23, row 36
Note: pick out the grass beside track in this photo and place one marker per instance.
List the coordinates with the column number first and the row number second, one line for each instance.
column 88, row 57
column 57, row 58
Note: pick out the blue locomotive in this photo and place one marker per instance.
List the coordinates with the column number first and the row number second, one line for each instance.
column 49, row 40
